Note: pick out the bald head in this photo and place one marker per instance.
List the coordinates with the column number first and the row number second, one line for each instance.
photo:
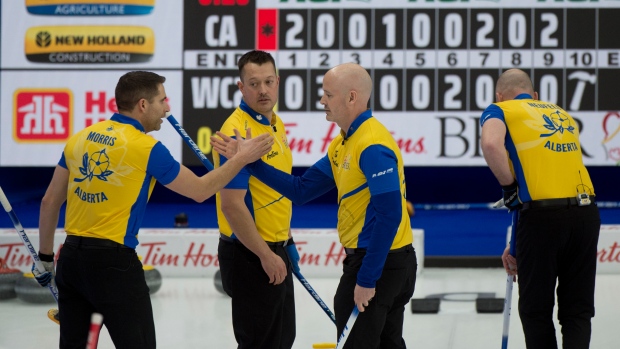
column 346, row 92
column 512, row 83
column 352, row 77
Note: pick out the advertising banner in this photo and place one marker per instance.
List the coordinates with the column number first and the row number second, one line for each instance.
column 609, row 250
column 103, row 34
column 434, row 64
column 40, row 110
column 443, row 139
column 193, row 252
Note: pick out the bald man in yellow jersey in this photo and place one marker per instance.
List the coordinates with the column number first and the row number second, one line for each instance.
column 364, row 163
column 533, row 149
column 106, row 175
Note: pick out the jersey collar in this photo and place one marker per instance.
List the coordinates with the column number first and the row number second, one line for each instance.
column 524, row 96
column 261, row 119
column 358, row 122
column 123, row 119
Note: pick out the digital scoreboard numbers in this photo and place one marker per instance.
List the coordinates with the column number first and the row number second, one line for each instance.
column 434, row 64
column 437, row 59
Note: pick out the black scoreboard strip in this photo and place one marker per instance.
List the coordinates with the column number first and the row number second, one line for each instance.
column 320, row 29
column 453, row 55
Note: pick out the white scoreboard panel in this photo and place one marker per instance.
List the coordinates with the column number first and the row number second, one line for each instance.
column 430, row 61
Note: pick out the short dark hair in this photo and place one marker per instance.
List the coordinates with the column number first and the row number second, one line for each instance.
column 256, row 57
column 134, row 86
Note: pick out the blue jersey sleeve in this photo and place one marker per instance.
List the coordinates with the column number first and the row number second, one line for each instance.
column 492, row 111
column 316, row 181
column 240, row 181
column 62, row 162
column 380, row 166
column 162, row 165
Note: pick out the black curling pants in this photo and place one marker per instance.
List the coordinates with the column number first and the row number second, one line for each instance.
column 557, row 243
column 109, row 281
column 381, row 324
column 263, row 314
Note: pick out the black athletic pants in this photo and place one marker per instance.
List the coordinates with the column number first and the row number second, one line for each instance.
column 557, row 243
column 109, row 281
column 381, row 324
column 263, row 314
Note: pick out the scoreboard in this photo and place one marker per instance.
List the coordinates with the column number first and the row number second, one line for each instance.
column 449, row 59
column 434, row 65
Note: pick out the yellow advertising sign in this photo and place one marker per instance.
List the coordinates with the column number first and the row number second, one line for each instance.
column 89, row 44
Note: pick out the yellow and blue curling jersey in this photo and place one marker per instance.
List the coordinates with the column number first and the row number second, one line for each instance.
column 543, row 146
column 112, row 167
column 271, row 211
column 366, row 166
column 345, row 155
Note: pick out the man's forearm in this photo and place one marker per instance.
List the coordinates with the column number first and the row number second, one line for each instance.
column 55, row 196
column 492, row 141
column 497, row 159
column 48, row 221
column 215, row 180
column 245, row 230
column 299, row 190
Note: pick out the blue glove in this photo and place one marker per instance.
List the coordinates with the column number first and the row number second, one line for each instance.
column 45, row 277
column 511, row 196
column 293, row 255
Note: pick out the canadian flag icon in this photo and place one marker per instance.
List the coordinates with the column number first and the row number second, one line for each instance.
column 267, row 29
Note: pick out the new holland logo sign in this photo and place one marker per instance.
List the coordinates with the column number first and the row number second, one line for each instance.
column 90, row 7
column 89, row 44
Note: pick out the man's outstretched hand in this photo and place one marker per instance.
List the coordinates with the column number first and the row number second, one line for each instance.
column 224, row 145
column 250, row 149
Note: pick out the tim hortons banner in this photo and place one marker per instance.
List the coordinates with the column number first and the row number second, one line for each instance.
column 608, row 254
column 193, row 252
